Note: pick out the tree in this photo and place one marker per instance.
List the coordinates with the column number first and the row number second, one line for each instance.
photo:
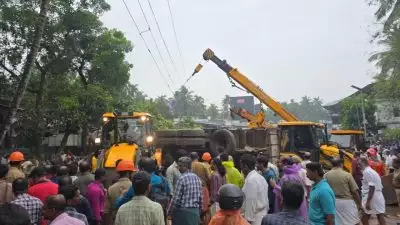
column 351, row 113
column 225, row 112
column 28, row 66
column 387, row 12
column 213, row 111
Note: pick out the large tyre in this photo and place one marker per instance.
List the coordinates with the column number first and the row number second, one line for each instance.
column 191, row 133
column 222, row 140
column 167, row 133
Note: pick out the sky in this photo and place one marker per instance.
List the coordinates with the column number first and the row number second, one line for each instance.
column 290, row 48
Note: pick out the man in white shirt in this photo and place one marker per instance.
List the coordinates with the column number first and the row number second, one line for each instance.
column 255, row 189
column 372, row 198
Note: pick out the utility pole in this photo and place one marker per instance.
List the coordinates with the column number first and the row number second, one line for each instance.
column 364, row 122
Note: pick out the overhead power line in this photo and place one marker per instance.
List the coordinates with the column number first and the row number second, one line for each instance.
column 147, row 46
column 176, row 37
column 163, row 39
column 155, row 42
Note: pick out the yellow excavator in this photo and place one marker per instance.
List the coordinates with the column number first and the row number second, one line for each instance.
column 295, row 136
column 124, row 136
column 255, row 121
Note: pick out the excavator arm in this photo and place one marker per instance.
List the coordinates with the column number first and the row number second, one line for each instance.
column 255, row 121
column 248, row 85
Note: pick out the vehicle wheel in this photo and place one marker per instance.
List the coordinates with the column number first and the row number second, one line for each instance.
column 223, row 141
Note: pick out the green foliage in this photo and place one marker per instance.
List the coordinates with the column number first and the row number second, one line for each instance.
column 351, row 113
column 186, row 123
column 213, row 111
column 188, row 104
column 307, row 109
column 391, row 134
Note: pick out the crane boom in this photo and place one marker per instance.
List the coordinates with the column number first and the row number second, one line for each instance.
column 255, row 121
column 248, row 85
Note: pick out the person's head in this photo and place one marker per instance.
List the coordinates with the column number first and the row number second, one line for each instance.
column 292, row 195
column 12, row 214
column 194, row 156
column 230, row 197
column 37, row 174
column 16, row 158
column 84, row 167
column 217, row 165
column 307, row 156
column 62, row 171
column 100, row 175
column 314, row 171
column 20, row 186
column 64, row 180
column 147, row 164
column 3, row 171
column 71, row 194
column 296, row 159
column 396, row 163
column 262, row 163
column 185, row 164
column 357, row 154
column 179, row 154
column 362, row 163
column 337, row 162
column 141, row 182
column 73, row 169
column 54, row 205
column 224, row 157
column 206, row 157
column 125, row 168
column 247, row 163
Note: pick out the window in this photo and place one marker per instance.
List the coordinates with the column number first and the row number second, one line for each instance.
column 396, row 111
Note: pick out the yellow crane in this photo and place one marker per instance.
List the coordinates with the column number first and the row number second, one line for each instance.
column 255, row 121
column 295, row 136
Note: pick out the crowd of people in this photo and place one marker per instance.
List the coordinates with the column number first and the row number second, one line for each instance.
column 198, row 190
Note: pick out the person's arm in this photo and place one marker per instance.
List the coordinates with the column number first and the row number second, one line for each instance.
column 126, row 197
column 250, row 191
column 159, row 216
column 354, row 191
column 327, row 202
column 175, row 197
column 353, row 167
column 371, row 192
column 170, row 178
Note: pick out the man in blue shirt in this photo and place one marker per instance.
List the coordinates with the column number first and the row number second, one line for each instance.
column 270, row 177
column 148, row 165
column 322, row 207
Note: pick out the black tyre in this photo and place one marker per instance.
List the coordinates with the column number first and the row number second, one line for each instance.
column 222, row 141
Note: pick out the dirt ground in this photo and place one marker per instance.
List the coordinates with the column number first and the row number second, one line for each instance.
column 391, row 219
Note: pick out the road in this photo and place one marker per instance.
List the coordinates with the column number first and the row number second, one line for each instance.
column 391, row 219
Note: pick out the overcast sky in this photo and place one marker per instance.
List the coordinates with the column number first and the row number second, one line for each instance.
column 290, row 48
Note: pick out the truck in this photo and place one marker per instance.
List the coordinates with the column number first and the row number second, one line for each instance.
column 288, row 137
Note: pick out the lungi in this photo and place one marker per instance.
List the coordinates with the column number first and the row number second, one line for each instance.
column 186, row 216
column 346, row 212
column 377, row 203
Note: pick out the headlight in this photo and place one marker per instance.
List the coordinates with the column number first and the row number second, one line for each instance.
column 149, row 139
column 143, row 118
column 105, row 119
column 97, row 140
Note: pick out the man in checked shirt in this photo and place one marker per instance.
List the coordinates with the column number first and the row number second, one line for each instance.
column 186, row 203
column 32, row 204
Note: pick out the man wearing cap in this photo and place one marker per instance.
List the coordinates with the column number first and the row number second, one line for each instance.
column 125, row 168
column 206, row 157
column 16, row 159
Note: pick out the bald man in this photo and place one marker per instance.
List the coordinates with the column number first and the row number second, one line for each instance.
column 54, row 210
column 85, row 177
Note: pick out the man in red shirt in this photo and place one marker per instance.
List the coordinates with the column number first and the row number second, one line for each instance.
column 374, row 163
column 41, row 187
